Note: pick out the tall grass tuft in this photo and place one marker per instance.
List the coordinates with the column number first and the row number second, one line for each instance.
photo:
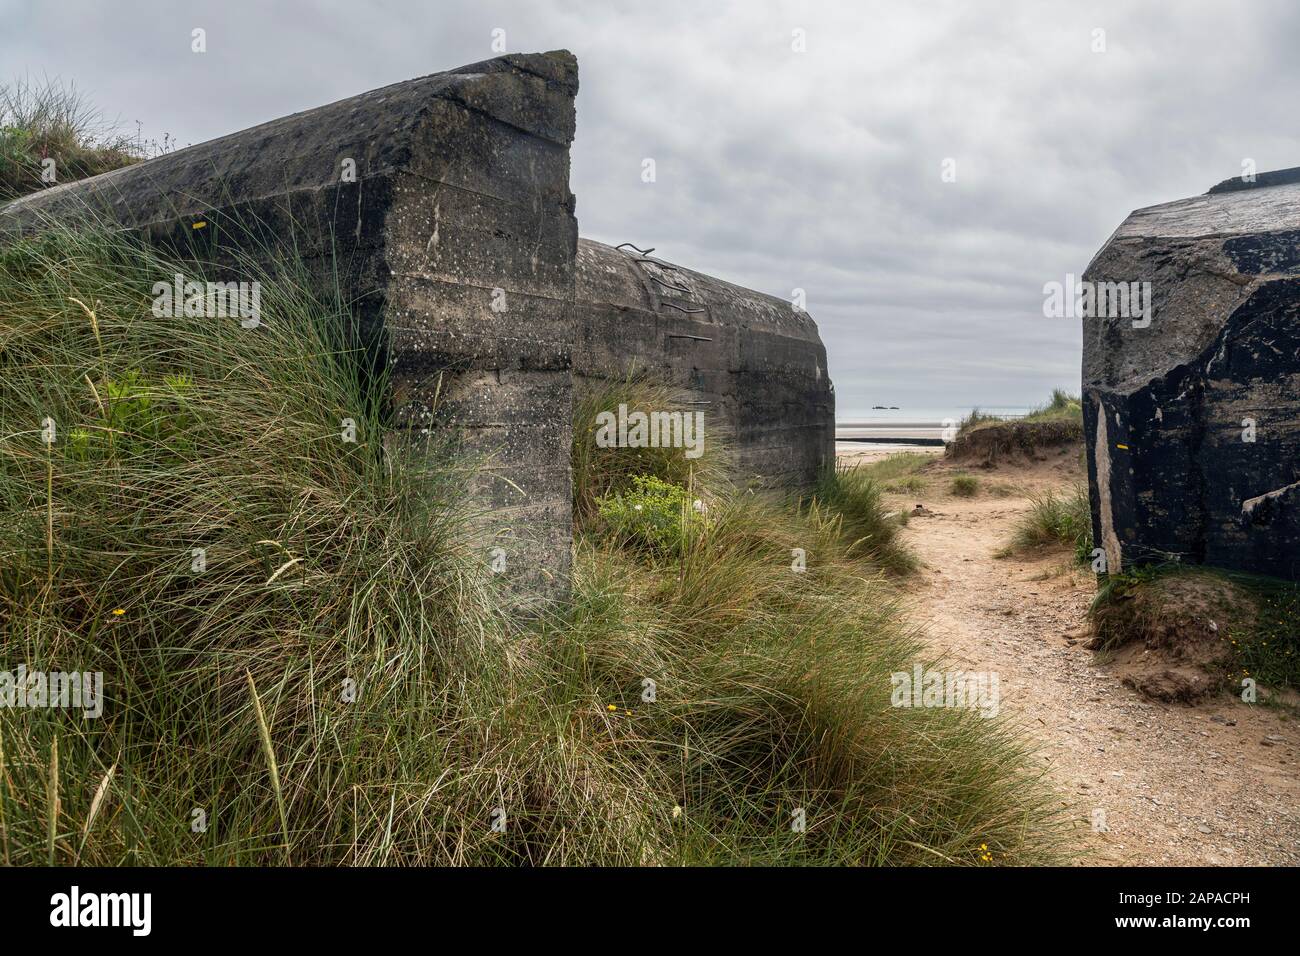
column 46, row 120
column 205, row 520
column 853, row 496
column 1054, row 520
column 753, row 698
column 304, row 653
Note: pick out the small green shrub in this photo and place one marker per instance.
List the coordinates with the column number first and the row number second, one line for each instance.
column 137, row 419
column 965, row 486
column 602, row 471
column 653, row 515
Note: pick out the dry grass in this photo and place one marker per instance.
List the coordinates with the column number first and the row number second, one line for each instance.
column 47, row 128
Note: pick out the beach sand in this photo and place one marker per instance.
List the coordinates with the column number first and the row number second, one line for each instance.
column 1214, row 783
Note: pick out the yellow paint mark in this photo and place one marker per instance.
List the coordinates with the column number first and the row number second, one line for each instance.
column 1125, row 447
column 199, row 225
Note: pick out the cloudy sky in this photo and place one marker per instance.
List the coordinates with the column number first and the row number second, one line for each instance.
column 780, row 169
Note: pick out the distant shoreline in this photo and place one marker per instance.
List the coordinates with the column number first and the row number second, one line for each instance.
column 924, row 428
column 897, row 432
column 908, row 439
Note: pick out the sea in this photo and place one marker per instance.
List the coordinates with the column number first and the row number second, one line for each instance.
column 902, row 428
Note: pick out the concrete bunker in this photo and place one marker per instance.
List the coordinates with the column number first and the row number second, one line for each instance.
column 1192, row 415
column 440, row 208
column 751, row 361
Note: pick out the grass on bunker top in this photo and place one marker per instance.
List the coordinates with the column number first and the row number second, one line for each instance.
column 47, row 129
column 336, row 683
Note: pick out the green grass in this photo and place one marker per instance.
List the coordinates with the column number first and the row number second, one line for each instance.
column 1053, row 521
column 324, row 564
column 772, row 696
column 964, row 486
column 652, row 517
column 600, row 472
column 976, row 419
column 1270, row 648
column 899, row 473
column 853, row 496
column 340, row 684
column 1059, row 420
column 911, row 485
column 903, row 464
column 45, row 120
column 1062, row 405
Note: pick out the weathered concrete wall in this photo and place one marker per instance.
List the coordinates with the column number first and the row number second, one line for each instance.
column 757, row 366
column 1193, row 421
column 456, row 247
column 461, row 188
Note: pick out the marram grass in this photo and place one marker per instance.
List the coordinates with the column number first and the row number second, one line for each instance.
column 50, row 134
column 335, row 682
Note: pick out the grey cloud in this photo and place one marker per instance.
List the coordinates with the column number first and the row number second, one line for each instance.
column 780, row 170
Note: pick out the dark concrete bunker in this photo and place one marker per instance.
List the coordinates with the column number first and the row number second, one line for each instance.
column 440, row 209
column 1192, row 419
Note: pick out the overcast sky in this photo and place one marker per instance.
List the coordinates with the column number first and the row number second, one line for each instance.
column 779, row 169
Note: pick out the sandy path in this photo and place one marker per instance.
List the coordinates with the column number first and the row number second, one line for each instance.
column 1216, row 784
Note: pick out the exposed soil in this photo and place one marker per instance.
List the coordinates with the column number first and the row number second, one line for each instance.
column 1211, row 783
column 1171, row 637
